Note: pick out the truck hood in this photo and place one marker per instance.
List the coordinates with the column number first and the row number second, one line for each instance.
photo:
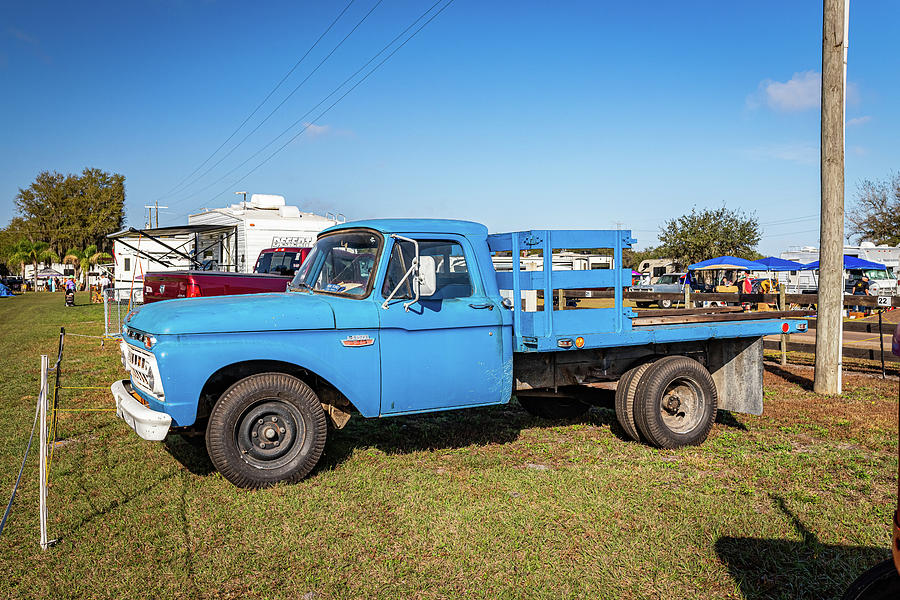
column 228, row 314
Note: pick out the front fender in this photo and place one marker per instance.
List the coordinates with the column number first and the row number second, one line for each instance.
column 186, row 362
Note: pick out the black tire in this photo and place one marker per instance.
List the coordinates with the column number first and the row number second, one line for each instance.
column 643, row 304
column 665, row 303
column 265, row 429
column 547, row 407
column 625, row 392
column 675, row 403
column 881, row 582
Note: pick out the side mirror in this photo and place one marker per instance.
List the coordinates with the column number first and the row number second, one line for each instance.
column 426, row 278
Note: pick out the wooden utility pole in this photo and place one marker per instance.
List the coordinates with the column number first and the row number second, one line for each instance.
column 831, row 238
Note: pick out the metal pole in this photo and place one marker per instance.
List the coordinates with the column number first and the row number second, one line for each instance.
column 42, row 476
column 831, row 289
column 881, row 341
column 782, row 305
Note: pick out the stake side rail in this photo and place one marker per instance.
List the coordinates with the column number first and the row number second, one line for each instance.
column 557, row 329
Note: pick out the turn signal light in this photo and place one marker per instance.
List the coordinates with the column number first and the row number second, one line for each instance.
column 579, row 342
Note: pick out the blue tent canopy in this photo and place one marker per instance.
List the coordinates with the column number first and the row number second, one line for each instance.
column 850, row 262
column 773, row 263
column 727, row 262
column 4, row 292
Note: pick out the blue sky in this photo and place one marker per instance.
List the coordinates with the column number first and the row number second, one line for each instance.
column 516, row 114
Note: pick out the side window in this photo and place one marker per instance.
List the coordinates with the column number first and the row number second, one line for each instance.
column 451, row 271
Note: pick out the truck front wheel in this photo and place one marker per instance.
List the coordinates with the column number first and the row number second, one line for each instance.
column 675, row 403
column 265, row 429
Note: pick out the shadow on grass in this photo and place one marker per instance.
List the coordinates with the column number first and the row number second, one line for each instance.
column 804, row 382
column 444, row 430
column 777, row 568
column 727, row 419
column 191, row 453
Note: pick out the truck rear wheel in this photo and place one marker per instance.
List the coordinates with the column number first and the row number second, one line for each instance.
column 625, row 393
column 552, row 407
column 675, row 403
column 665, row 304
column 265, row 429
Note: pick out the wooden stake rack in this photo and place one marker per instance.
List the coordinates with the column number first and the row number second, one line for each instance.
column 707, row 316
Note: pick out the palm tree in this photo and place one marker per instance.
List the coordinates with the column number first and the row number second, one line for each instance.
column 83, row 260
column 33, row 252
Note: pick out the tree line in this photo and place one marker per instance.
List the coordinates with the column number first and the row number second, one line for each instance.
column 64, row 217
column 708, row 233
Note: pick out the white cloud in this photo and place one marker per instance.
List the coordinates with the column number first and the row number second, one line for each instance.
column 800, row 153
column 859, row 120
column 313, row 130
column 800, row 92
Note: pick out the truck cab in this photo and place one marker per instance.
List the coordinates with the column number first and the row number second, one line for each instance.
column 403, row 316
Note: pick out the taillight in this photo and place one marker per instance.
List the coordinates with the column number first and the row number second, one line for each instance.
column 193, row 290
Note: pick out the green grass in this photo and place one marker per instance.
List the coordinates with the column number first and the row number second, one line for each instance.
column 485, row 503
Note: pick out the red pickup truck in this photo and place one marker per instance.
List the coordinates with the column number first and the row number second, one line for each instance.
column 274, row 269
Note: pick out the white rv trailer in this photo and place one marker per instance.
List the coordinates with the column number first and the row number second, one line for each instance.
column 882, row 283
column 263, row 222
column 222, row 239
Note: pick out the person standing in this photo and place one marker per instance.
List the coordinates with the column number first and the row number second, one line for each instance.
column 104, row 284
column 861, row 288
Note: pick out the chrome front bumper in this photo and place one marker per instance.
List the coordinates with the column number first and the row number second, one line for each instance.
column 147, row 423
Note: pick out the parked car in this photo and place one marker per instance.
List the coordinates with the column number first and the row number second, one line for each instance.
column 274, row 269
column 13, row 283
column 668, row 283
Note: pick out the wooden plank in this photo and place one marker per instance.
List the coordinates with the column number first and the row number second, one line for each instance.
column 658, row 312
column 847, row 351
column 804, row 299
column 746, row 316
column 862, row 326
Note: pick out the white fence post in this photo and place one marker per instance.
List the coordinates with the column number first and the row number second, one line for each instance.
column 43, row 399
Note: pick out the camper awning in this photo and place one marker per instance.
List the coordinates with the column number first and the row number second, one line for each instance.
column 175, row 231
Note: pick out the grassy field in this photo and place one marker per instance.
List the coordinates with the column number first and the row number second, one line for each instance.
column 485, row 503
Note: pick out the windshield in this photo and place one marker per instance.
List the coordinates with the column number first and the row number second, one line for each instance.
column 668, row 279
column 282, row 263
column 342, row 263
column 876, row 274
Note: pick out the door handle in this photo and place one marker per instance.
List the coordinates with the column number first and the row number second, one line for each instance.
column 487, row 305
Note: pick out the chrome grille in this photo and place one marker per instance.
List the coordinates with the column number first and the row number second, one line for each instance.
column 143, row 369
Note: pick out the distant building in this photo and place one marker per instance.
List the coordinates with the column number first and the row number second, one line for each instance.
column 657, row 266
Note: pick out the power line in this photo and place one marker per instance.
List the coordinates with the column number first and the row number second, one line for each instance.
column 286, row 98
column 325, row 99
column 790, row 220
column 264, row 100
column 333, row 104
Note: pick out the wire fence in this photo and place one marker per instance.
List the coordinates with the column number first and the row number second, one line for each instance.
column 117, row 302
column 46, row 422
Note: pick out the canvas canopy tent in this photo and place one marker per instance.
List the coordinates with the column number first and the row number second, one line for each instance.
column 47, row 273
column 731, row 263
column 850, row 262
column 719, row 274
column 773, row 263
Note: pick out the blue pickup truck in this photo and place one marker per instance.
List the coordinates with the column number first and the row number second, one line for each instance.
column 395, row 317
